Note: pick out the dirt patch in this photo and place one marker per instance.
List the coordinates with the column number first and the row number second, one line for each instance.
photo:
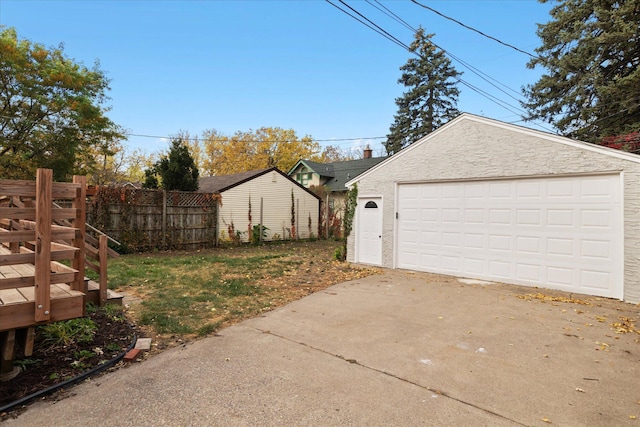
column 290, row 271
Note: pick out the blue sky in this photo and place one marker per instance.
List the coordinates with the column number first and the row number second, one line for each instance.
column 240, row 65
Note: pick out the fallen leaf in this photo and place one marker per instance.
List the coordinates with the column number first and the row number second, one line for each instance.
column 542, row 297
column 632, row 417
column 546, row 420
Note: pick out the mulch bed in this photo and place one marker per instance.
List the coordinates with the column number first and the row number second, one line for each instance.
column 49, row 366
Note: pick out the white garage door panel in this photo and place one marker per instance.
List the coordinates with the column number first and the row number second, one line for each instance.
column 563, row 233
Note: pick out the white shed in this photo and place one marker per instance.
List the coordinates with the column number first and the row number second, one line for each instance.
column 267, row 196
column 484, row 199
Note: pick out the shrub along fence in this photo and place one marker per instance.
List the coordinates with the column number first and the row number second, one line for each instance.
column 142, row 219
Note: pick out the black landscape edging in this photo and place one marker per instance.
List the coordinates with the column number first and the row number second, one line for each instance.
column 70, row 381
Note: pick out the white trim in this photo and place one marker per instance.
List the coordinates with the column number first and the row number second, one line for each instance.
column 510, row 177
column 396, row 205
column 520, row 129
column 624, row 236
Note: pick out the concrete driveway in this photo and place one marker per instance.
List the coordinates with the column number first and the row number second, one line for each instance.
column 395, row 349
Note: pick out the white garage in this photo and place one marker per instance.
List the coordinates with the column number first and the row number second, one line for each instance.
column 488, row 200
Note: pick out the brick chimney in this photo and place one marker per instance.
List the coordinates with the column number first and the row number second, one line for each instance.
column 367, row 153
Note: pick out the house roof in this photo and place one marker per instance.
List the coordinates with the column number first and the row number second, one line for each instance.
column 492, row 122
column 338, row 173
column 219, row 184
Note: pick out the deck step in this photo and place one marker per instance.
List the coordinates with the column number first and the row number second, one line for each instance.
column 93, row 294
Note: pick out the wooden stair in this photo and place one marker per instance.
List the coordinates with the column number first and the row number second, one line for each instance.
column 93, row 294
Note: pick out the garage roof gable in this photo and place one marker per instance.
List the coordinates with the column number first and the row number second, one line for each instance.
column 498, row 124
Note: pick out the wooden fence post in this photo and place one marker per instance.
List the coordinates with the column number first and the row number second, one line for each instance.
column 102, row 259
column 216, row 231
column 164, row 219
column 44, row 204
column 326, row 223
column 80, row 222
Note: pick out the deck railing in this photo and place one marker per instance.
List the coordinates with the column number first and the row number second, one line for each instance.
column 32, row 242
column 42, row 263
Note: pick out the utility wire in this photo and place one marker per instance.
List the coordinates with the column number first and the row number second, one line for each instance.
column 387, row 35
column 252, row 140
column 382, row 8
column 382, row 33
column 473, row 29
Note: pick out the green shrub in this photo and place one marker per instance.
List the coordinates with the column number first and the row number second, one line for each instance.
column 68, row 332
column 255, row 234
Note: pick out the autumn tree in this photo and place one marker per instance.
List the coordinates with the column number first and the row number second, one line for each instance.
column 108, row 162
column 591, row 53
column 52, row 110
column 136, row 163
column 332, row 153
column 263, row 148
column 431, row 97
column 176, row 169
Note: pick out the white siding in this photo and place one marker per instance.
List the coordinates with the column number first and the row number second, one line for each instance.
column 474, row 148
column 275, row 192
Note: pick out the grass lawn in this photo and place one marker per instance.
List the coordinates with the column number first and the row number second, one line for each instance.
column 178, row 296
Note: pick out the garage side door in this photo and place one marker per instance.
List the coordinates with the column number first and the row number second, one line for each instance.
column 563, row 233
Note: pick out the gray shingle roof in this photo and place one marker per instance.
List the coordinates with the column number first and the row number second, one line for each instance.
column 217, row 184
column 338, row 173
column 345, row 171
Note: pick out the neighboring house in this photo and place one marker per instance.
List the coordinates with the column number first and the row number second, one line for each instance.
column 266, row 193
column 484, row 199
column 333, row 176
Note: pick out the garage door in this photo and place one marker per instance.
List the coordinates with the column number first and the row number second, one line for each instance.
column 561, row 233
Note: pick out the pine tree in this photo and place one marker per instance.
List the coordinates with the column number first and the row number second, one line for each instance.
column 591, row 52
column 178, row 169
column 431, row 98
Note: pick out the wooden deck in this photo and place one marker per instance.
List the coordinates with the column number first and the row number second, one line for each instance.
column 17, row 304
column 36, row 233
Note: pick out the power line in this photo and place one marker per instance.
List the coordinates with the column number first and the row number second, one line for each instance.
column 473, row 69
column 387, row 35
column 382, row 8
column 252, row 140
column 473, row 29
column 378, row 29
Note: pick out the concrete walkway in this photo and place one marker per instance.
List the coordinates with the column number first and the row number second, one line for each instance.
column 397, row 349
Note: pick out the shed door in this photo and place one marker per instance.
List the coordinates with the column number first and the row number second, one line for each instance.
column 369, row 232
column 563, row 233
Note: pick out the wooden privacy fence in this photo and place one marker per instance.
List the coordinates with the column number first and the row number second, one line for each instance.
column 144, row 219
